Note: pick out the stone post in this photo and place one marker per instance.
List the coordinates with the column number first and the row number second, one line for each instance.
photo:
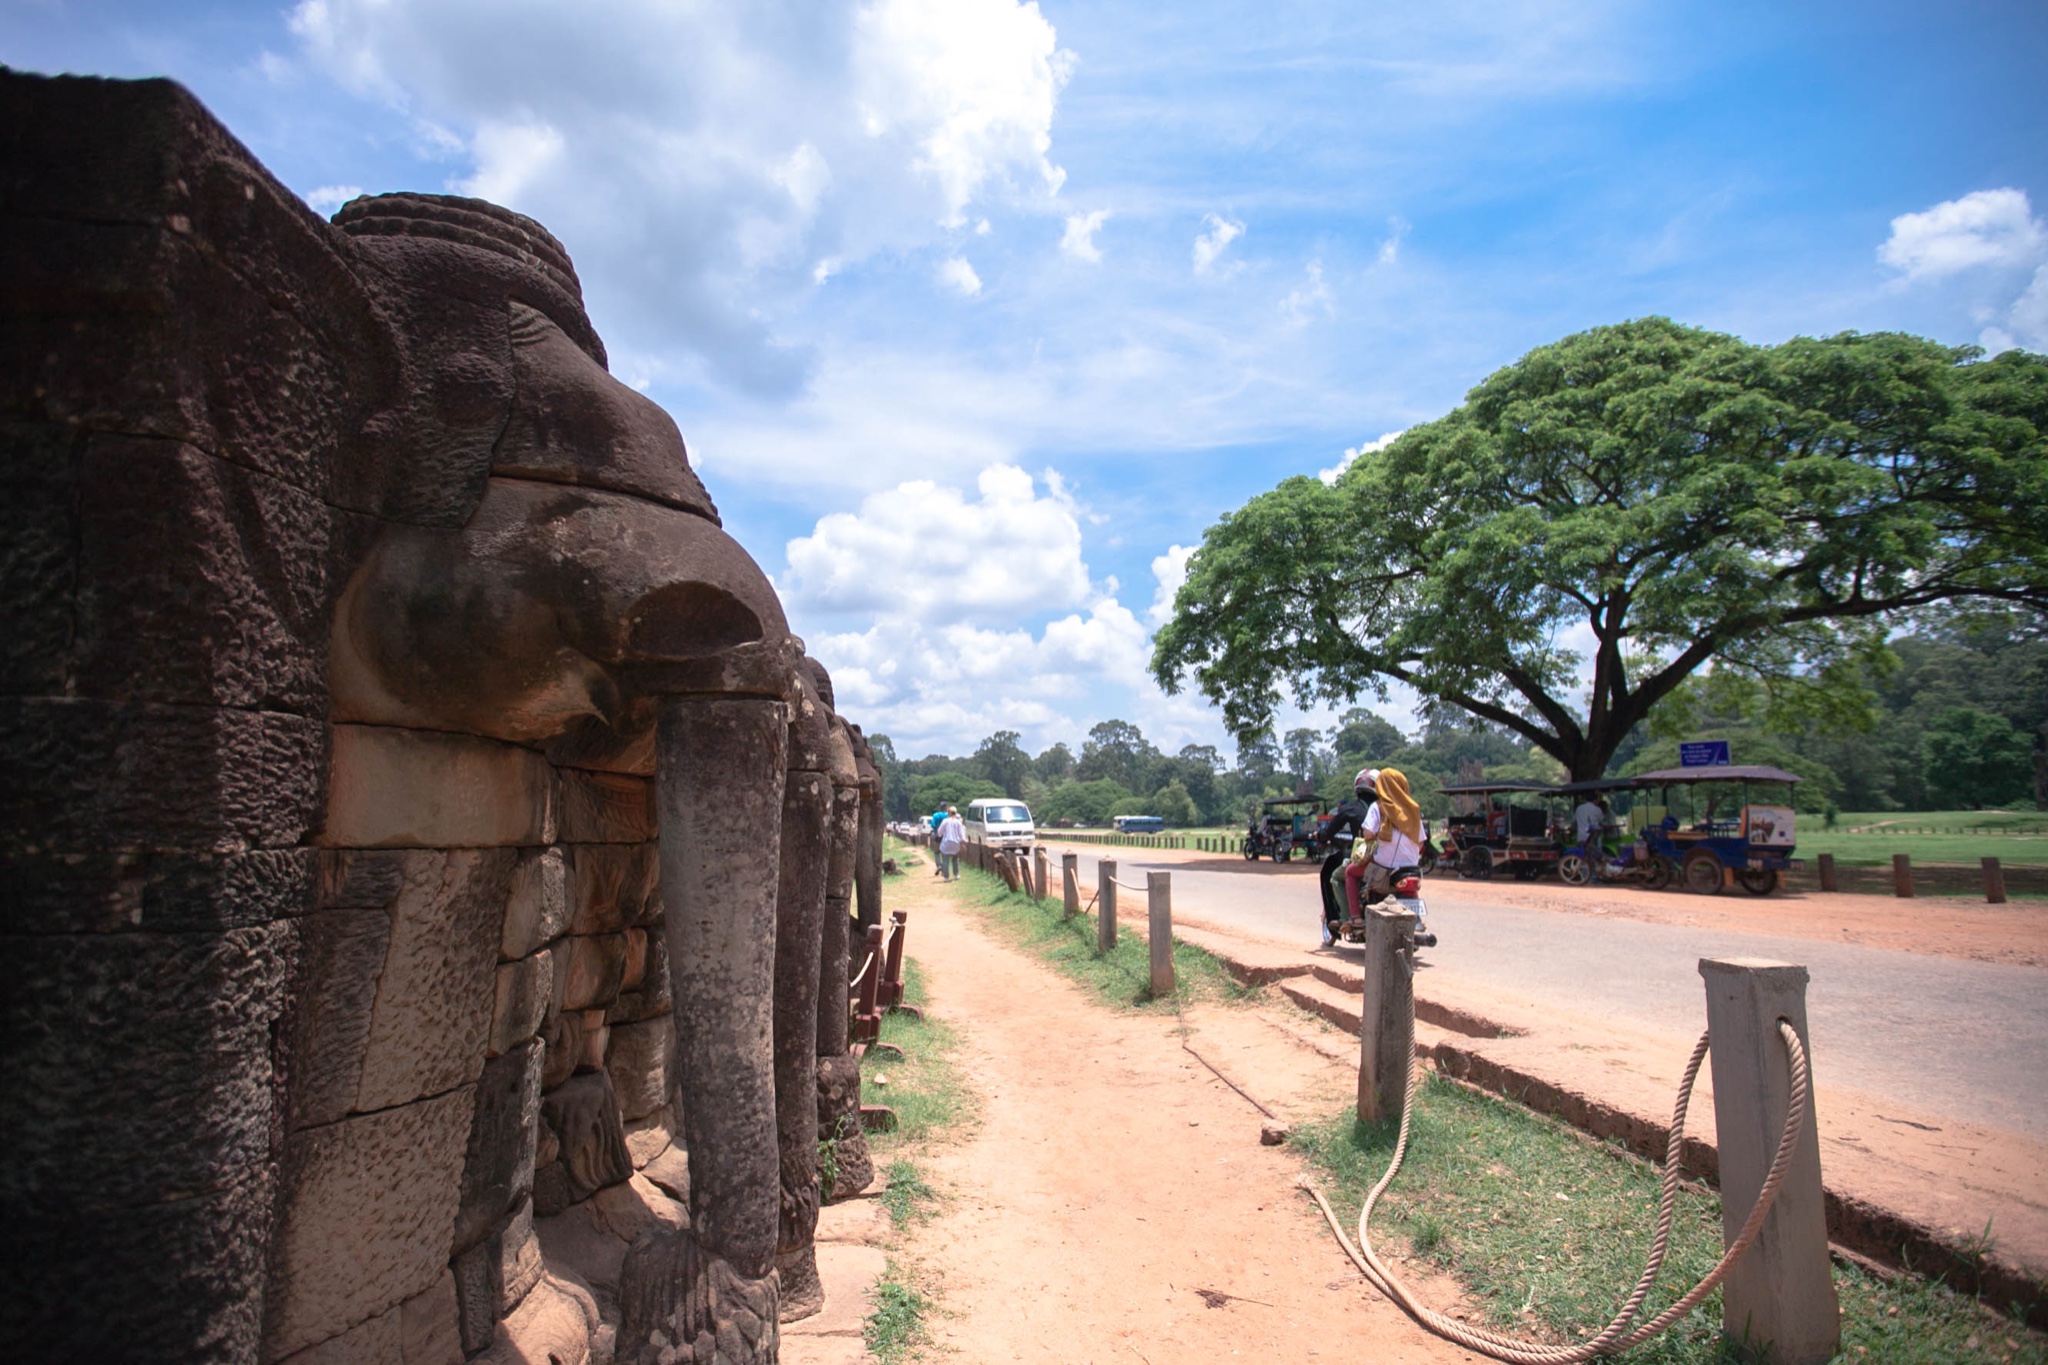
column 1781, row 1296
column 1827, row 871
column 799, row 922
column 1070, row 884
column 1902, row 875
column 1105, row 904
column 1159, row 929
column 1038, row 877
column 1994, row 881
column 1386, row 1035
column 719, row 775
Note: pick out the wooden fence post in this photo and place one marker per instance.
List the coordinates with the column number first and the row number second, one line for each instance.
column 1781, row 1295
column 1070, row 884
column 1038, row 873
column 1105, row 904
column 1902, row 875
column 1386, row 1034
column 1827, row 871
column 1994, row 882
column 1159, row 928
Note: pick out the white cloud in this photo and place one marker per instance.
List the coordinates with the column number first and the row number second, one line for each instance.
column 1336, row 471
column 1390, row 249
column 1169, row 570
column 328, row 198
column 709, row 164
column 2026, row 322
column 956, row 273
column 1079, row 239
column 1309, row 298
column 1983, row 228
column 1212, row 244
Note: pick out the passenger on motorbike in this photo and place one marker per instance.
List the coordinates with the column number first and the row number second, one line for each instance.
column 1345, row 823
column 1393, row 839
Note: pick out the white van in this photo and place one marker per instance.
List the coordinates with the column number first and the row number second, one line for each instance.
column 999, row 822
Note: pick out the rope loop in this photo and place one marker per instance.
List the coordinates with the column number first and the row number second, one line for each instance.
column 1617, row 1335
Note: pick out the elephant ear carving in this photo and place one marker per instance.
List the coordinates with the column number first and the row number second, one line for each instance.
column 689, row 621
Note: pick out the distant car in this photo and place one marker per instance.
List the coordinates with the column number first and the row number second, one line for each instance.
column 999, row 822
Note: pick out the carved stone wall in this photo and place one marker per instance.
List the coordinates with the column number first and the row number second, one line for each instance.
column 378, row 683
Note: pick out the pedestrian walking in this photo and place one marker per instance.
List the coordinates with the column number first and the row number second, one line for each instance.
column 952, row 834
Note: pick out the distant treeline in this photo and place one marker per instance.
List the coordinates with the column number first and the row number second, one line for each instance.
column 1955, row 718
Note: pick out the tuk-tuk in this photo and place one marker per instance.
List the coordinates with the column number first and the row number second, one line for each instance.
column 1287, row 823
column 1500, row 827
column 1612, row 855
column 1720, row 825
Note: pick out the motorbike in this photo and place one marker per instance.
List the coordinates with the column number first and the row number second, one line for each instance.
column 1583, row 865
column 1406, row 891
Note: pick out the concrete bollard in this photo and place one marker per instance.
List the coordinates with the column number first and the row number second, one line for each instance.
column 1994, row 882
column 1781, row 1296
column 1827, row 871
column 1070, row 884
column 1902, row 875
column 1386, row 1035
column 1159, row 928
column 1105, row 904
column 1038, row 878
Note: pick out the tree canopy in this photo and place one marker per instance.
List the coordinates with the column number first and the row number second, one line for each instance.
column 1606, row 516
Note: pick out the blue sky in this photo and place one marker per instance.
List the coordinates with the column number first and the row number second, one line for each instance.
column 975, row 314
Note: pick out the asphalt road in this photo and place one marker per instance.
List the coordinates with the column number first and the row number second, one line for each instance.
column 1941, row 1035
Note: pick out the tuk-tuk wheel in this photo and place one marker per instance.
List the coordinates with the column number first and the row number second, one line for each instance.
column 1702, row 872
column 1659, row 875
column 1251, row 851
column 1477, row 864
column 1757, row 881
column 1283, row 853
column 1573, row 870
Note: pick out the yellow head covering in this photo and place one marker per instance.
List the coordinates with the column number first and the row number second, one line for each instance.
column 1397, row 807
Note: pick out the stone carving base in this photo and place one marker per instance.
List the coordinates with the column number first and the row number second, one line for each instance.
column 680, row 1305
column 839, row 1114
column 803, row 1293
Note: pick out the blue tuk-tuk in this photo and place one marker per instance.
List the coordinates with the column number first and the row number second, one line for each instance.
column 1719, row 825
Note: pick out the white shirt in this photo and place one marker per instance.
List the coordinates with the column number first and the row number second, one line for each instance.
column 952, row 833
column 1590, row 819
column 1396, row 849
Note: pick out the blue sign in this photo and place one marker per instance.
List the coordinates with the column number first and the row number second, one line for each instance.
column 1704, row 753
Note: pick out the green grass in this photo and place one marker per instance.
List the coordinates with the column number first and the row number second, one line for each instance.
column 923, row 1086
column 895, row 1329
column 1123, row 975
column 906, row 1195
column 1547, row 1232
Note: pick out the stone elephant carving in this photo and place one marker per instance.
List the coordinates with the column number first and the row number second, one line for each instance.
column 399, row 760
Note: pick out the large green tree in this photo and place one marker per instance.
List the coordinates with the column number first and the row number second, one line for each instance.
column 1616, row 510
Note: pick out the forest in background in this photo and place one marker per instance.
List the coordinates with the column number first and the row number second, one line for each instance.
column 1956, row 717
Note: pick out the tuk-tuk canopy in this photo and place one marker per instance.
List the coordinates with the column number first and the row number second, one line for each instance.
column 1725, row 773
column 1482, row 788
column 1293, row 801
column 1596, row 785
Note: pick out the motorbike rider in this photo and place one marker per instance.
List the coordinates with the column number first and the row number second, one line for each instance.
column 1392, row 839
column 1345, row 824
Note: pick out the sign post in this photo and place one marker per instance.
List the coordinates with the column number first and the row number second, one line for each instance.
column 1704, row 753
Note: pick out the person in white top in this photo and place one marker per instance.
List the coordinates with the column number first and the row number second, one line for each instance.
column 952, row 834
column 1589, row 821
column 1392, row 838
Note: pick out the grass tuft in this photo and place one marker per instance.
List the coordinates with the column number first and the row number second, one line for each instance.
column 1123, row 975
column 907, row 1197
column 1547, row 1232
column 895, row 1328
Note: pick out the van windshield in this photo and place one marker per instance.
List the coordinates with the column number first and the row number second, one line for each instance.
column 1004, row 815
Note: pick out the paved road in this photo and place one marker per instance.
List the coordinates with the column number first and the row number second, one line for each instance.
column 1941, row 1035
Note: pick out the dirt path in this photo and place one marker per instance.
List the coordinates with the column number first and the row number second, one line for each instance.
column 1111, row 1177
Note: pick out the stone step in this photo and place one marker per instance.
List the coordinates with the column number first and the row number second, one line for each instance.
column 1318, row 997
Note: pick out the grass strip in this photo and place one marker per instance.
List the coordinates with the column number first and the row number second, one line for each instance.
column 1546, row 1231
column 895, row 1329
column 1122, row 976
column 924, row 1087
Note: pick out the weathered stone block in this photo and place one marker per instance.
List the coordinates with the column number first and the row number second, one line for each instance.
column 637, row 1060
column 497, row 1169
column 605, row 808
column 596, row 964
column 242, row 622
column 434, row 999
column 494, row 1275
column 379, row 1341
column 429, row 1331
column 96, row 777
column 650, row 999
column 39, row 555
column 612, row 886
column 636, row 961
column 142, row 1282
column 524, row 990
column 563, row 1035
column 342, row 955
column 367, row 1205
column 359, row 878
column 157, row 892
column 427, row 789
column 537, row 911
column 554, row 1323
column 118, row 1090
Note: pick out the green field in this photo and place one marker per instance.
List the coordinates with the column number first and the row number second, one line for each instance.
column 1870, row 838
